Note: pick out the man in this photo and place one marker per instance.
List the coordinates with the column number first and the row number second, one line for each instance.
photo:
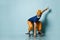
column 34, row 22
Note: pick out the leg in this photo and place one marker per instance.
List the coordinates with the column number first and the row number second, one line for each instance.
column 39, row 26
column 30, row 26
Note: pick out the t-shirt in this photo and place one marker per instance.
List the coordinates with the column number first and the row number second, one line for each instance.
column 34, row 19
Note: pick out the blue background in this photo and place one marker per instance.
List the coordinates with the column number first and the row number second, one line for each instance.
column 15, row 13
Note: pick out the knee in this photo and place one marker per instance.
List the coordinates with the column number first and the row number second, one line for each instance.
column 30, row 28
column 40, row 23
column 39, row 29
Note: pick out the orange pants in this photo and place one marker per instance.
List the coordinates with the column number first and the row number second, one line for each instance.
column 30, row 26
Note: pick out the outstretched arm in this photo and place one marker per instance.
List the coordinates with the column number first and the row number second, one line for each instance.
column 44, row 10
column 34, row 29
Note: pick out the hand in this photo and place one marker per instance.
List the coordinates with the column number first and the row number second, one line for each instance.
column 46, row 8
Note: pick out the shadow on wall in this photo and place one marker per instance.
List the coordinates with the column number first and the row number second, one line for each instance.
column 45, row 22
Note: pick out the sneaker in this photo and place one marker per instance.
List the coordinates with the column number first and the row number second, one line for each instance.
column 40, row 33
column 28, row 33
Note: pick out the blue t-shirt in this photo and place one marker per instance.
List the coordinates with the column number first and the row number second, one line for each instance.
column 34, row 19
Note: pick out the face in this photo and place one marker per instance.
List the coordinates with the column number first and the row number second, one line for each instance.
column 39, row 12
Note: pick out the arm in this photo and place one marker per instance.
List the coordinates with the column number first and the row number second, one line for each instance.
column 35, row 28
column 44, row 10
